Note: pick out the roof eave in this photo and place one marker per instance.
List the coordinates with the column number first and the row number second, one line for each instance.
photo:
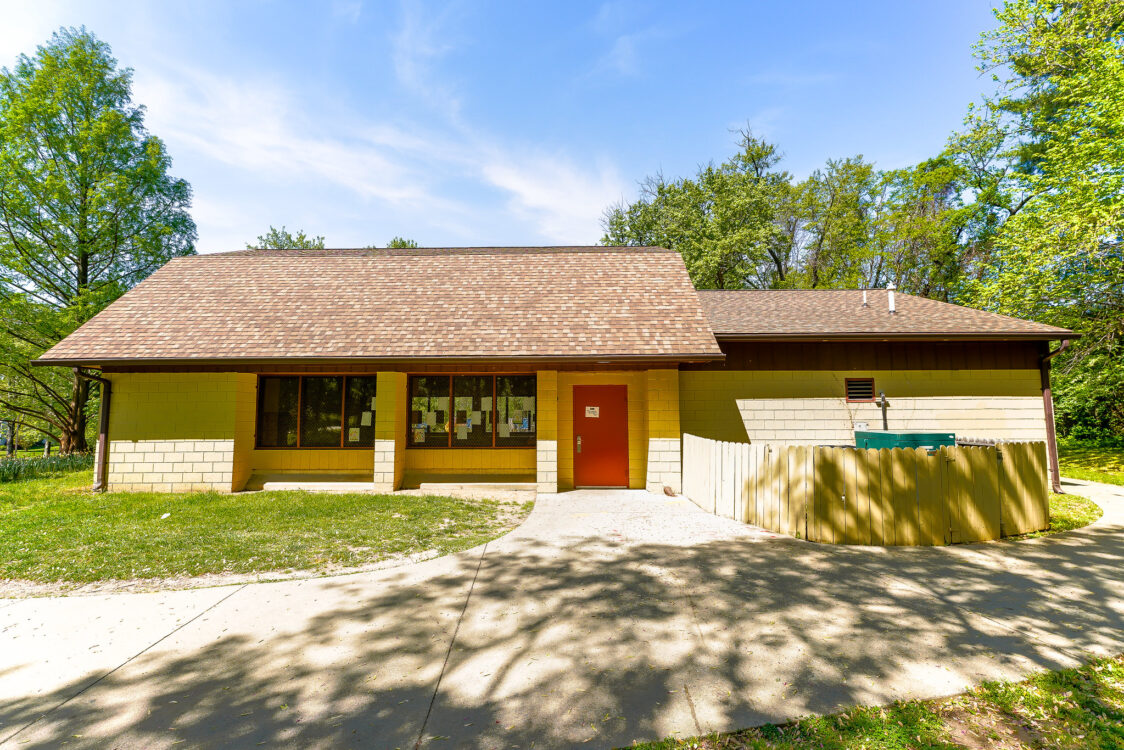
column 884, row 336
column 436, row 360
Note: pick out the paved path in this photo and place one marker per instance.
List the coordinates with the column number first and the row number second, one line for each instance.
column 605, row 618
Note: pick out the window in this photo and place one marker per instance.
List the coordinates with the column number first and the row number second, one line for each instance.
column 429, row 411
column 860, row 389
column 321, row 412
column 515, row 410
column 472, row 411
column 278, row 399
column 316, row 411
column 359, row 413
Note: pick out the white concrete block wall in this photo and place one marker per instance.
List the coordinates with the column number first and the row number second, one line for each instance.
column 546, row 463
column 384, row 465
column 664, row 464
column 798, row 421
column 171, row 465
column 809, row 407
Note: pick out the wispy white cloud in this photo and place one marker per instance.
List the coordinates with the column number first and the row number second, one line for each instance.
column 424, row 37
column 764, row 122
column 347, row 10
column 565, row 200
column 259, row 150
column 25, row 25
column 256, row 126
column 619, row 22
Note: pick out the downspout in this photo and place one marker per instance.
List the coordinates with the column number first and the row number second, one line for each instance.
column 1048, row 407
column 101, row 465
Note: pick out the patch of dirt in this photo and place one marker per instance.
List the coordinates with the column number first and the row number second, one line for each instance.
column 985, row 728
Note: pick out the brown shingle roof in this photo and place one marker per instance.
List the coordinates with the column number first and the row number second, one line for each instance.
column 486, row 303
column 822, row 313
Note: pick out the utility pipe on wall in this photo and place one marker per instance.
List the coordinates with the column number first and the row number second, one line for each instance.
column 1048, row 407
column 101, row 465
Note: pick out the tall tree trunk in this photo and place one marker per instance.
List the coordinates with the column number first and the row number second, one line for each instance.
column 10, row 446
column 73, row 438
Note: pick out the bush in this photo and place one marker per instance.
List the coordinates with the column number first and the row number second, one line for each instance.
column 17, row 469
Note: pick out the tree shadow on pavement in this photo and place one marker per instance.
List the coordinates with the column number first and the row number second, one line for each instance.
column 600, row 643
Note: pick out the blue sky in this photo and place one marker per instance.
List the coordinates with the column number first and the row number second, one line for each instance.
column 476, row 123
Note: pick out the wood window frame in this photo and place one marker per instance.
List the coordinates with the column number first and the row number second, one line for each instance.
column 344, row 376
column 452, row 410
column 847, row 390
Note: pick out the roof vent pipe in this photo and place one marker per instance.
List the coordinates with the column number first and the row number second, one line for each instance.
column 864, row 299
column 890, row 296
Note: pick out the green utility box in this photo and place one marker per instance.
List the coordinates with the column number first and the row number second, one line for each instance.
column 929, row 440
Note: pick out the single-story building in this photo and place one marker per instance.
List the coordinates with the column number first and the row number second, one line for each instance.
column 559, row 366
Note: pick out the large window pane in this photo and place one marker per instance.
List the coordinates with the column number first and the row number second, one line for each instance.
column 472, row 411
column 359, row 413
column 277, row 412
column 321, row 404
column 515, row 410
column 429, row 410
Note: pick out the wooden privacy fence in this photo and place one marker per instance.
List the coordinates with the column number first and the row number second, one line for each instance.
column 891, row 496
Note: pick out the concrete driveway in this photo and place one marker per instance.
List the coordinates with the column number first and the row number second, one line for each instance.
column 607, row 617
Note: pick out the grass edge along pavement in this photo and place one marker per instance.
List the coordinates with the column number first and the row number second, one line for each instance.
column 57, row 531
column 1070, row 708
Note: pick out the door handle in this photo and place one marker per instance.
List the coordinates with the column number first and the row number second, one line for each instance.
column 579, row 443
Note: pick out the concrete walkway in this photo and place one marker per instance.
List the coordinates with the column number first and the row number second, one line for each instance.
column 605, row 618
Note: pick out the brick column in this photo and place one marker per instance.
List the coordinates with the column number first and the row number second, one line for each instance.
column 546, row 453
column 390, row 430
column 664, row 438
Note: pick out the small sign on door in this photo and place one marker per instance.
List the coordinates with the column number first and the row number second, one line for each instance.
column 593, row 411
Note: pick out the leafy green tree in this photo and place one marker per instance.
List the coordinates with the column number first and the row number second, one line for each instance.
column 283, row 239
column 724, row 221
column 401, row 242
column 837, row 214
column 747, row 224
column 87, row 209
column 1056, row 133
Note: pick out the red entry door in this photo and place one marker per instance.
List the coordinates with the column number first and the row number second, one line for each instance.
column 601, row 436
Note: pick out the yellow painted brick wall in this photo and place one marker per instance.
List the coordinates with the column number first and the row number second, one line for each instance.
column 546, row 446
column 806, row 407
column 471, row 460
column 637, row 384
column 245, row 423
column 390, row 431
column 172, row 432
column 664, row 442
column 312, row 460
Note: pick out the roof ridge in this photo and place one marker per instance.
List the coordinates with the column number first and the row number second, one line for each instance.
column 818, row 291
column 436, row 250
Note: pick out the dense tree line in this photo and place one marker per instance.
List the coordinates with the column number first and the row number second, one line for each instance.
column 1022, row 213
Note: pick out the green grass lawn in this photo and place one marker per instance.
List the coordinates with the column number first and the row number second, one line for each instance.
column 56, row 530
column 1093, row 463
column 1067, row 512
column 1073, row 708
